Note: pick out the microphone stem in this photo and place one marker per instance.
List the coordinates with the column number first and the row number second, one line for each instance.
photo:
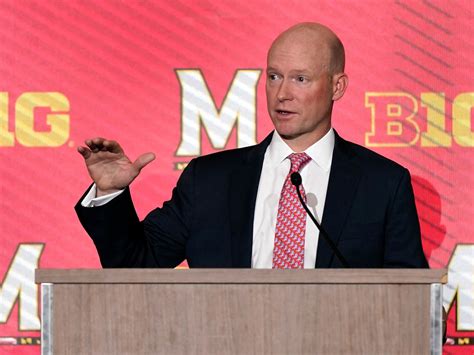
column 322, row 232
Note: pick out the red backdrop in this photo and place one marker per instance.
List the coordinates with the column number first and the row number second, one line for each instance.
column 148, row 73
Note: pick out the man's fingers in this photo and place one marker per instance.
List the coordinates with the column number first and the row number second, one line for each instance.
column 94, row 144
column 98, row 140
column 98, row 144
column 112, row 146
column 86, row 153
column 143, row 160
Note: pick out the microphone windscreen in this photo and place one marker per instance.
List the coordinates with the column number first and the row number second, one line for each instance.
column 296, row 179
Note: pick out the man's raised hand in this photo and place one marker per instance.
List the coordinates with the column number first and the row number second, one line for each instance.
column 108, row 165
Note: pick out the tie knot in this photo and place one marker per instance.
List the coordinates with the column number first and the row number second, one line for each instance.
column 298, row 161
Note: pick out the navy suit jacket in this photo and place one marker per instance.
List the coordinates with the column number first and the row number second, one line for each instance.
column 369, row 213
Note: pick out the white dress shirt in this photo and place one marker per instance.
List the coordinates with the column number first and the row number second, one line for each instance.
column 276, row 165
column 315, row 176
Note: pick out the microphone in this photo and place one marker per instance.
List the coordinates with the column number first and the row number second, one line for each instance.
column 296, row 181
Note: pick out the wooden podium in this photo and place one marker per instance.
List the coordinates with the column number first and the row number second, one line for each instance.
column 241, row 311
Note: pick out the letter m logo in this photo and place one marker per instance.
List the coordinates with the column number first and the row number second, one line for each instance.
column 198, row 110
column 19, row 285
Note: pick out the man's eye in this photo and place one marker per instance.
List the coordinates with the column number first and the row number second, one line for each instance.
column 272, row 76
column 301, row 79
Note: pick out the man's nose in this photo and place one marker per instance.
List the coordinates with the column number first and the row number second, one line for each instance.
column 284, row 91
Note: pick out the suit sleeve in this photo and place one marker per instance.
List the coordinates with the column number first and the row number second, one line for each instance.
column 123, row 241
column 403, row 246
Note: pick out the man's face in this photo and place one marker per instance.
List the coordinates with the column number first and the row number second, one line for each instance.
column 299, row 91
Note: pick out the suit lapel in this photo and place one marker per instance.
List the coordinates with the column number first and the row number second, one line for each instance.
column 343, row 181
column 243, row 194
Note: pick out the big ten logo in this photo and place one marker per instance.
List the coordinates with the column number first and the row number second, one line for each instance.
column 460, row 286
column 396, row 118
column 29, row 109
column 200, row 112
column 18, row 285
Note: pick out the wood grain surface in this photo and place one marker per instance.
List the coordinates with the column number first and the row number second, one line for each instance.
column 241, row 311
column 218, row 276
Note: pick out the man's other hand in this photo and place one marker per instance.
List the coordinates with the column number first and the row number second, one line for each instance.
column 108, row 165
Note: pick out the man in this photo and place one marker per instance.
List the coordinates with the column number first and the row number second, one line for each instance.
column 238, row 208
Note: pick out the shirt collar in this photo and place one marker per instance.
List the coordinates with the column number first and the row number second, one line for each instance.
column 320, row 152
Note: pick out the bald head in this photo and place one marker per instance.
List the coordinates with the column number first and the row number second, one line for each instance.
column 317, row 38
column 305, row 75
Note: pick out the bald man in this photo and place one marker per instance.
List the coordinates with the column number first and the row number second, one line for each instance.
column 238, row 208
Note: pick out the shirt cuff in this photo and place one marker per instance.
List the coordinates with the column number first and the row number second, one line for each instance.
column 91, row 201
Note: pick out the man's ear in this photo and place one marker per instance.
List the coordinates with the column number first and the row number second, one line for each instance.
column 339, row 82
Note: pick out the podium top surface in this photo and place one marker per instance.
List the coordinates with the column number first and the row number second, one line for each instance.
column 241, row 276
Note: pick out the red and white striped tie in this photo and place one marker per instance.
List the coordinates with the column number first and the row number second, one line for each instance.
column 288, row 250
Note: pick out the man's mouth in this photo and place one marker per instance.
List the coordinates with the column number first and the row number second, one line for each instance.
column 284, row 112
